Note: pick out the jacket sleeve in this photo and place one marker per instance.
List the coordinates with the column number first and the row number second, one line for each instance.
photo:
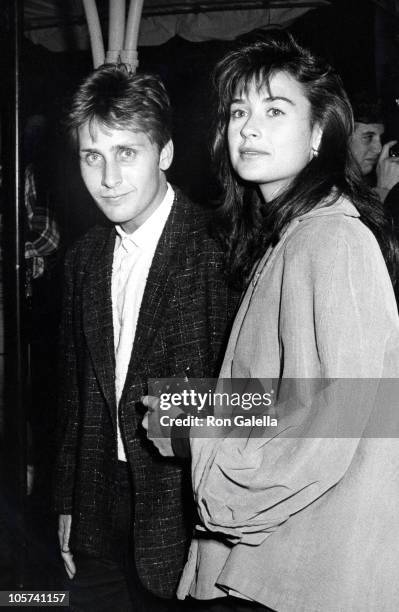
column 68, row 399
column 246, row 487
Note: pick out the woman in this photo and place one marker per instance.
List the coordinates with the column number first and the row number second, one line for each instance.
column 308, row 521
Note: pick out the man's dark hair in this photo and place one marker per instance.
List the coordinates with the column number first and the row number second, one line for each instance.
column 115, row 98
column 366, row 109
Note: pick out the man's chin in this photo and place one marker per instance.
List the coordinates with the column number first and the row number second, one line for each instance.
column 115, row 214
column 114, row 218
column 368, row 165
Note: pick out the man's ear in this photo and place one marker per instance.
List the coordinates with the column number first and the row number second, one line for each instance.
column 166, row 156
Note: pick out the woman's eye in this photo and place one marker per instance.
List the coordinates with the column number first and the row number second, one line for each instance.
column 127, row 154
column 274, row 112
column 237, row 113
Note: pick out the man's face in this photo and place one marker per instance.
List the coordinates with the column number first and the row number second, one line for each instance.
column 366, row 145
column 123, row 172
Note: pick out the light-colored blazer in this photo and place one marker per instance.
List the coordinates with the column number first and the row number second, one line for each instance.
column 307, row 524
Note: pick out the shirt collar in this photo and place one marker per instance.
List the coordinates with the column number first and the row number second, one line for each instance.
column 147, row 235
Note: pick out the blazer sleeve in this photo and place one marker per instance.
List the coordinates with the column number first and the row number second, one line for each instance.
column 68, row 399
column 246, row 487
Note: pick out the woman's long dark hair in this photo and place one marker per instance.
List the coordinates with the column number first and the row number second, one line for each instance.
column 247, row 226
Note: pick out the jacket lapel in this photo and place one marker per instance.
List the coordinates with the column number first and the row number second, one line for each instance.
column 156, row 293
column 97, row 316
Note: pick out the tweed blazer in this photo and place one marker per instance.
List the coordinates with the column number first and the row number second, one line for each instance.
column 183, row 322
column 309, row 522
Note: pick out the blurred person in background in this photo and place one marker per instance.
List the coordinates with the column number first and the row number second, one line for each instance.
column 379, row 169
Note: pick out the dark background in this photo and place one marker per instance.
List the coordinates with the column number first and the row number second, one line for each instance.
column 359, row 38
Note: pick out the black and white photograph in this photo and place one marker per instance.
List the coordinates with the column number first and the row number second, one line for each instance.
column 199, row 284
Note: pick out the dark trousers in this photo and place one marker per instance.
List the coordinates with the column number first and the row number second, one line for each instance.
column 112, row 584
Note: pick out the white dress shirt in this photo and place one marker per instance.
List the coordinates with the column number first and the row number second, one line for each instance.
column 133, row 255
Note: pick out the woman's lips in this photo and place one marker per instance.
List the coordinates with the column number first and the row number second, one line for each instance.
column 251, row 152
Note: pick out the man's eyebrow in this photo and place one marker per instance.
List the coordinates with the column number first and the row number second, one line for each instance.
column 127, row 145
column 116, row 147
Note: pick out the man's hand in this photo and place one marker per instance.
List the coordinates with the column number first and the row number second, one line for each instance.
column 160, row 435
column 64, row 531
column 387, row 171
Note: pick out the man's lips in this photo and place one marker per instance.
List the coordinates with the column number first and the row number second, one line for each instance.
column 115, row 197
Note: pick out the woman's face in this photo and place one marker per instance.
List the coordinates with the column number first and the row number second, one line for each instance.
column 270, row 137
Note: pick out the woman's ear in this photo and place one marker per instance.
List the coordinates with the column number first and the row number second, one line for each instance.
column 317, row 133
column 166, row 156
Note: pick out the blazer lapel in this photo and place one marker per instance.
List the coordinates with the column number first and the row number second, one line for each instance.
column 97, row 316
column 155, row 298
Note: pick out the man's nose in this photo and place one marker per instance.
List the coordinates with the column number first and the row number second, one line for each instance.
column 112, row 176
column 251, row 127
column 377, row 146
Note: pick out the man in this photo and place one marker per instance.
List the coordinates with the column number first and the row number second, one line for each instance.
column 376, row 165
column 144, row 298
